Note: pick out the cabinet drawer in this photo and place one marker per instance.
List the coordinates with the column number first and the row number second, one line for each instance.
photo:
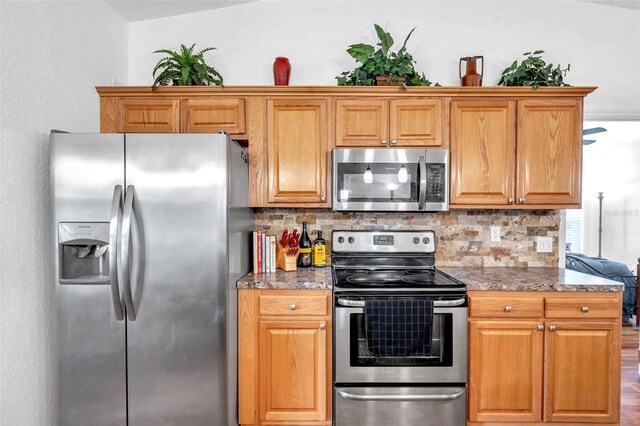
column 293, row 305
column 506, row 307
column 582, row 307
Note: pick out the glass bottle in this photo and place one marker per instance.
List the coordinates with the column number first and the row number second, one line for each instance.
column 319, row 251
column 304, row 253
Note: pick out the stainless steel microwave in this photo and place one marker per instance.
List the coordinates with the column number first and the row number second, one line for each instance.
column 385, row 179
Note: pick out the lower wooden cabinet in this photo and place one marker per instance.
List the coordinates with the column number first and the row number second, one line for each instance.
column 284, row 357
column 546, row 368
column 505, row 370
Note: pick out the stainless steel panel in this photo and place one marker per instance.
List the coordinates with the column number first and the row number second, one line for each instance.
column 403, row 242
column 90, row 375
column 345, row 373
column 241, row 219
column 177, row 359
column 400, row 406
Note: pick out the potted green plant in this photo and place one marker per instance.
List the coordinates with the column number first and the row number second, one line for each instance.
column 533, row 71
column 381, row 66
column 185, row 68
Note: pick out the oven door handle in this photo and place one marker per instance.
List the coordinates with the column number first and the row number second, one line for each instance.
column 422, row 172
column 437, row 397
column 436, row 303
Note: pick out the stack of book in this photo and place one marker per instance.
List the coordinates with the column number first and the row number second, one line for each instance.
column 264, row 252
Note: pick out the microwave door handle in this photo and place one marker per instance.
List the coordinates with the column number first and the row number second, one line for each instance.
column 422, row 176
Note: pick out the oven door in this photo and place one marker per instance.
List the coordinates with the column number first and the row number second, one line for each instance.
column 446, row 362
column 400, row 406
column 379, row 179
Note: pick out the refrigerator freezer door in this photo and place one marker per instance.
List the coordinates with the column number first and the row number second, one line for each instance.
column 177, row 359
column 90, row 357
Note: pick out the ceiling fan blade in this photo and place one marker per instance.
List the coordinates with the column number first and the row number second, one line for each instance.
column 593, row 130
column 588, row 141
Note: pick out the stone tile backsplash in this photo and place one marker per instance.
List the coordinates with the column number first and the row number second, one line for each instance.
column 463, row 235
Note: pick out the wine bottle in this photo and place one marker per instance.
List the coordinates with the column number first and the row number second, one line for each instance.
column 304, row 254
column 319, row 251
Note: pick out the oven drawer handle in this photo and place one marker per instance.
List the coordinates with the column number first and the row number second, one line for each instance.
column 437, row 303
column 446, row 397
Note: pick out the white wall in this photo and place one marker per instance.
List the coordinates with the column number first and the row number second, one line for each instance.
column 52, row 55
column 601, row 43
column 611, row 166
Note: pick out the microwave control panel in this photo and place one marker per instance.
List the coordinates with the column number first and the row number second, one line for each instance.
column 436, row 182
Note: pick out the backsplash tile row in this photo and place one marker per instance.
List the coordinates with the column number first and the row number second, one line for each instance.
column 463, row 235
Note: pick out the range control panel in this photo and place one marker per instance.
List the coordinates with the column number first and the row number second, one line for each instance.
column 383, row 241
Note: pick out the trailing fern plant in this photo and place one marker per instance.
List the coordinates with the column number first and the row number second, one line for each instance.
column 533, row 71
column 185, row 68
column 382, row 61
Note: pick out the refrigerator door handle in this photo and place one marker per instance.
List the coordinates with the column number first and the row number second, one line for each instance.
column 126, row 241
column 116, row 211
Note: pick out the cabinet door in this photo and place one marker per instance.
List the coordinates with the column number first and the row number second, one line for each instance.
column 505, row 371
column 213, row 115
column 292, row 366
column 148, row 116
column 362, row 122
column 297, row 150
column 549, row 152
column 483, row 145
column 582, row 373
column 415, row 122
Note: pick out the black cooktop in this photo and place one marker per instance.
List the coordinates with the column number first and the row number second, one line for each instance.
column 394, row 278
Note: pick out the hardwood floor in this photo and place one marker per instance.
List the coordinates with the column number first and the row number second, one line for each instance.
column 630, row 398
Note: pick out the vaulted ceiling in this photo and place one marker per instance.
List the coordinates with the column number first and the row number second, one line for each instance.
column 142, row 10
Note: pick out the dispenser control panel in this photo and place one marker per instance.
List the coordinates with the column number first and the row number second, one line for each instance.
column 83, row 233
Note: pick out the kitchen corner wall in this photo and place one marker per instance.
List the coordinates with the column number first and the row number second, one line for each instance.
column 52, row 55
column 462, row 235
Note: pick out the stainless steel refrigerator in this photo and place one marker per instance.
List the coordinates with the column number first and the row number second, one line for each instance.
column 150, row 234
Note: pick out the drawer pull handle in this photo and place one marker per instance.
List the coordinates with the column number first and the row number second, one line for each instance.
column 508, row 308
column 552, row 328
column 540, row 327
column 585, row 309
column 322, row 326
column 292, row 306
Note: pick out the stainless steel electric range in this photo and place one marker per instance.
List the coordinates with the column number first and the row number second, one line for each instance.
column 400, row 332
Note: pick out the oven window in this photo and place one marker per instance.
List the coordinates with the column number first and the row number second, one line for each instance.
column 439, row 355
column 379, row 182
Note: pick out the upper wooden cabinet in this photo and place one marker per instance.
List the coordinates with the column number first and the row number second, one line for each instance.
column 511, row 147
column 212, row 115
column 483, row 152
column 389, row 122
column 148, row 116
column 522, row 154
column 549, row 152
column 297, row 150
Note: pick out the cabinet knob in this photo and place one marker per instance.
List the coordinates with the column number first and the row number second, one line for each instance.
column 552, row 328
column 510, row 200
column 292, row 306
column 394, row 142
column 508, row 308
column 383, row 142
column 322, row 198
column 585, row 309
column 540, row 327
column 521, row 200
column 322, row 326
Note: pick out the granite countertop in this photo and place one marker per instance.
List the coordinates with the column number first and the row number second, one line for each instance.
column 301, row 279
column 530, row 279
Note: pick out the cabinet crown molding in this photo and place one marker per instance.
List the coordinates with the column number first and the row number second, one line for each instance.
column 193, row 91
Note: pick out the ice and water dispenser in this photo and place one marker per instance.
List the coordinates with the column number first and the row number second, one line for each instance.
column 83, row 252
